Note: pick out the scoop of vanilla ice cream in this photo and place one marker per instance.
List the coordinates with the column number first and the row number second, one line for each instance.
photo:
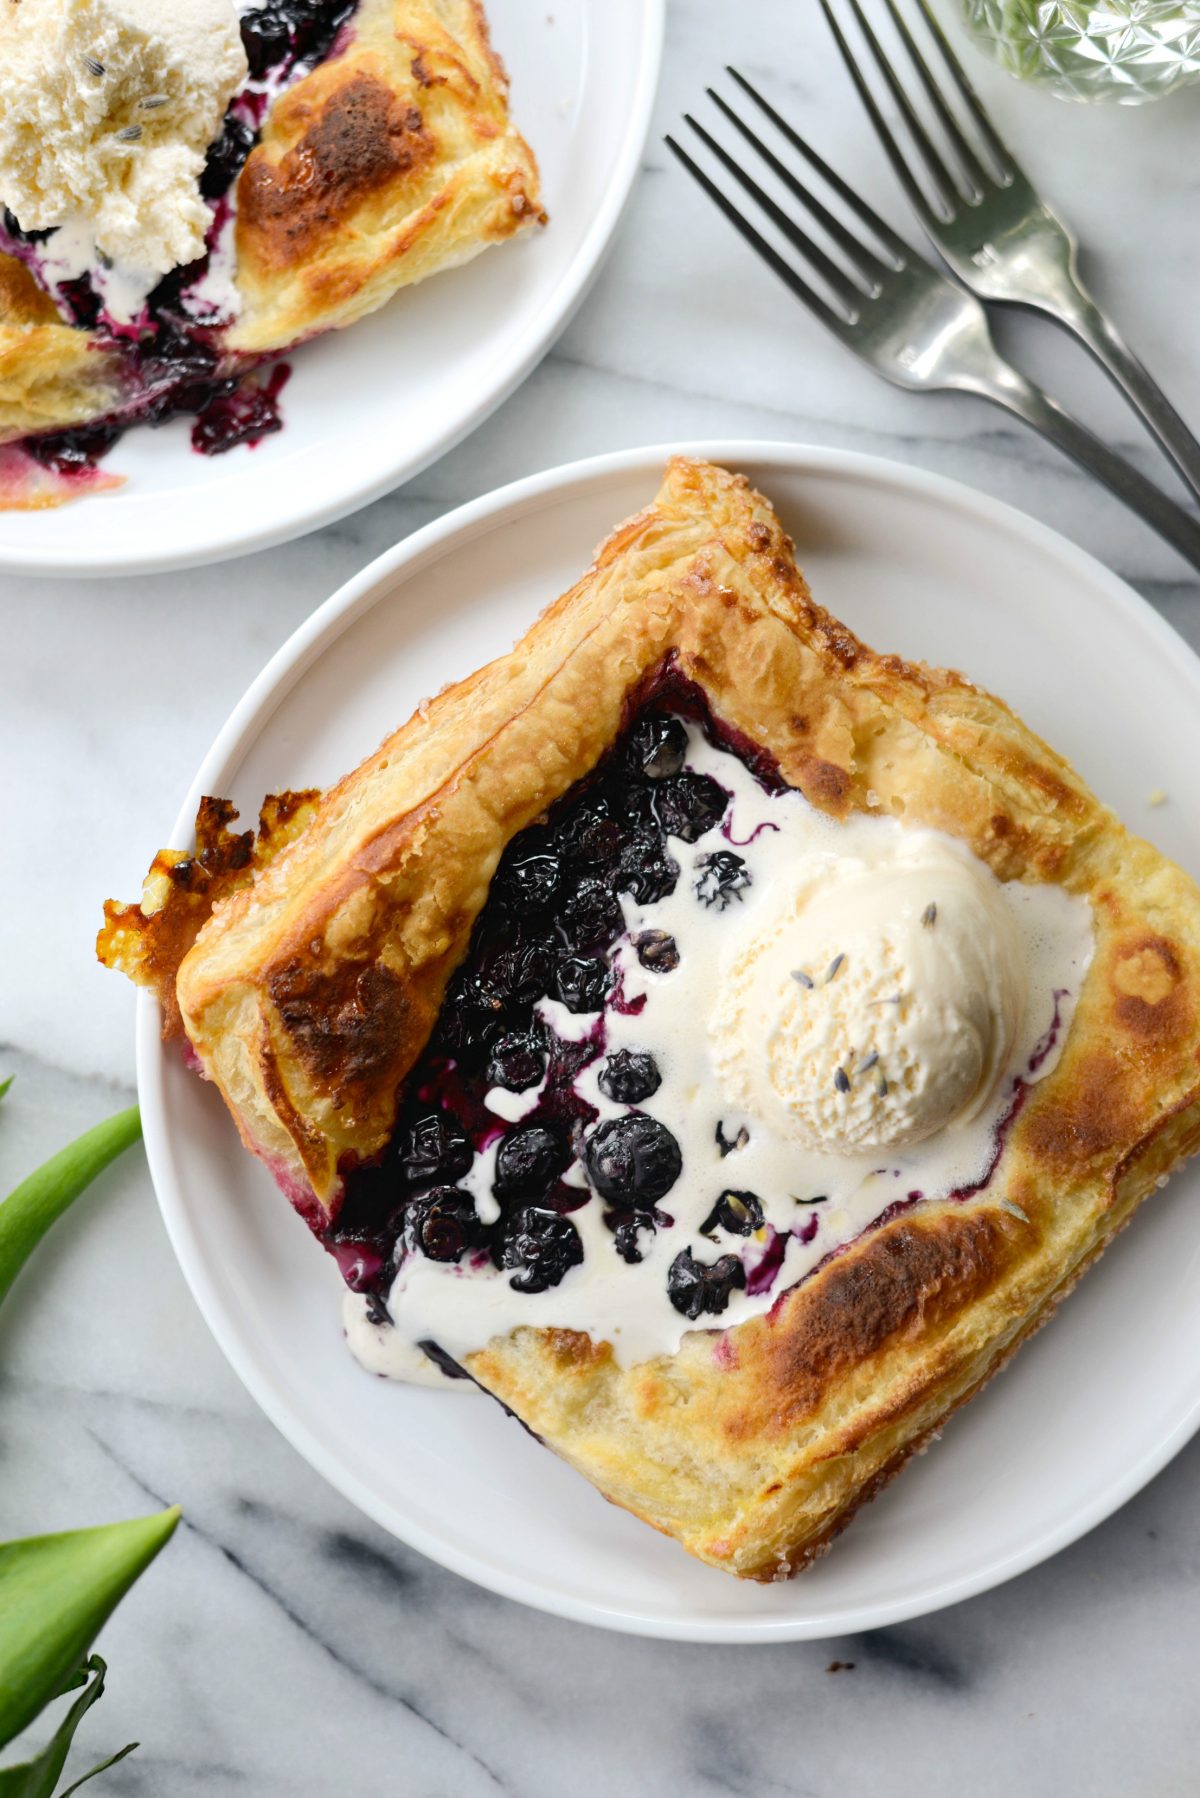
column 107, row 109
column 872, row 1003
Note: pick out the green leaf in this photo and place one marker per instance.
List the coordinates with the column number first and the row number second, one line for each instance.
column 4, row 1085
column 37, row 1778
column 39, row 1201
column 56, row 1593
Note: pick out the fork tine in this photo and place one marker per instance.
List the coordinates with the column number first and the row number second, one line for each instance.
column 755, row 239
column 882, row 232
column 968, row 161
column 863, row 260
column 943, row 185
column 842, row 287
column 999, row 151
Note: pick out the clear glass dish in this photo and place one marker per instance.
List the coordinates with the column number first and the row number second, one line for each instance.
column 1125, row 51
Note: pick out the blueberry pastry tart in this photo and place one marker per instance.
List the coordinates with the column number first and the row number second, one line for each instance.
column 189, row 187
column 720, row 1042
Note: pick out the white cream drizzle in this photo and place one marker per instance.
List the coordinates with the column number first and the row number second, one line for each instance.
column 462, row 1308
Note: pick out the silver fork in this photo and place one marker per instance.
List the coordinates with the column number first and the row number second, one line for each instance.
column 990, row 224
column 915, row 326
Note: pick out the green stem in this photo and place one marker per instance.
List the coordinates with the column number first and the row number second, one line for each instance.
column 39, row 1201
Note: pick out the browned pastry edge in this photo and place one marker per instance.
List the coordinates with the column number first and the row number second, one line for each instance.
column 315, row 985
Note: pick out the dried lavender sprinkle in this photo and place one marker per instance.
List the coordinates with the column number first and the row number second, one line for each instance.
column 869, row 1063
column 842, row 1080
column 832, row 969
column 806, row 980
column 1011, row 1205
column 929, row 914
column 93, row 66
column 881, row 1086
column 129, row 134
column 153, row 101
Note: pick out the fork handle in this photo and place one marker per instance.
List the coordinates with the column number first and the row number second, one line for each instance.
column 1006, row 386
column 1097, row 332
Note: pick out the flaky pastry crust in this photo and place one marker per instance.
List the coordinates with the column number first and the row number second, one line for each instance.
column 389, row 163
column 312, row 988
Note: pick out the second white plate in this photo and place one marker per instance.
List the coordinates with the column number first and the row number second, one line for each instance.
column 367, row 408
column 1088, row 1412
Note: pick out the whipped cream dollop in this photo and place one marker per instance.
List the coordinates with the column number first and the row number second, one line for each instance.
column 848, row 1015
column 872, row 999
column 107, row 110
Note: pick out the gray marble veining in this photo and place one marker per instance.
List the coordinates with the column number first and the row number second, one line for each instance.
column 284, row 1647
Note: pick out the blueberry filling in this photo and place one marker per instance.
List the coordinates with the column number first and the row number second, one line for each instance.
column 581, row 983
column 528, row 1163
column 592, row 917
column 657, row 747
column 695, row 1288
column 434, row 1147
column 628, row 1077
column 688, row 804
column 226, row 156
column 542, row 1246
column 517, row 1062
column 299, row 31
column 443, row 1223
column 548, row 932
column 633, row 1160
column 741, row 1213
column 727, row 1144
column 723, row 877
column 657, row 950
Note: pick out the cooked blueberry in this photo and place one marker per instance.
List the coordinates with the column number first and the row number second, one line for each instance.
column 517, row 1062
column 633, row 1160
column 695, row 1288
column 529, row 1160
column 434, row 1147
column 592, row 916
column 529, row 881
column 645, row 870
column 724, row 877
column 581, row 982
column 739, row 1212
column 519, row 971
column 543, row 1245
column 226, row 156
column 689, row 805
column 628, row 1077
column 657, row 949
column 657, row 747
column 590, row 833
column 443, row 1223
column 267, row 37
column 626, row 1227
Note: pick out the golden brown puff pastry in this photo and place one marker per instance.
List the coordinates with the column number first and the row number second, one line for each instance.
column 386, row 164
column 315, row 983
column 51, row 375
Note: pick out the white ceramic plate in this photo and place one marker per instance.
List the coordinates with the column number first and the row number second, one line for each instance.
column 367, row 408
column 1089, row 1411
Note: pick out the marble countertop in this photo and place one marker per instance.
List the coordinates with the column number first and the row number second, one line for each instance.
column 284, row 1645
